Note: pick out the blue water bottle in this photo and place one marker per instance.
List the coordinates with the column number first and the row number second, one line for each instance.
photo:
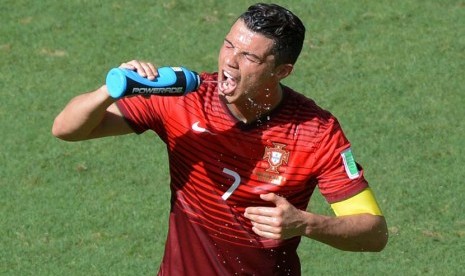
column 171, row 81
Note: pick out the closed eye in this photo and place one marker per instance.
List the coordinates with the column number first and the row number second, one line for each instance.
column 249, row 56
column 228, row 44
column 252, row 57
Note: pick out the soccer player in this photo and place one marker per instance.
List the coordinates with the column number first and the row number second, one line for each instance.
column 245, row 156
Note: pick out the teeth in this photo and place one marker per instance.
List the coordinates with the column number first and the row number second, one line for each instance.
column 228, row 84
column 228, row 75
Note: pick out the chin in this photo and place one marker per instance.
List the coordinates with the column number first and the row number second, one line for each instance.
column 226, row 98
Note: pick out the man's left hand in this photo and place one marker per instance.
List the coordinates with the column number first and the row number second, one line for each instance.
column 281, row 222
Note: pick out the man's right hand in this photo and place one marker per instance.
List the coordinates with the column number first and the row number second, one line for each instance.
column 145, row 69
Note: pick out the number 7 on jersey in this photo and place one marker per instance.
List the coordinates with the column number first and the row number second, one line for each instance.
column 237, row 181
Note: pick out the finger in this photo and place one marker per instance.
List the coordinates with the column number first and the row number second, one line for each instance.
column 261, row 211
column 153, row 71
column 266, row 234
column 134, row 65
column 127, row 65
column 140, row 67
column 272, row 197
column 266, row 228
column 268, row 197
column 150, row 70
column 265, row 220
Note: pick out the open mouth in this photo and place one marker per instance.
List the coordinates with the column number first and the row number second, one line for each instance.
column 228, row 84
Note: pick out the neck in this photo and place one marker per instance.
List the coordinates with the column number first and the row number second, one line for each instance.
column 252, row 109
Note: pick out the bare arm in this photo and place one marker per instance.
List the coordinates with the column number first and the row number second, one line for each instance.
column 360, row 232
column 95, row 114
column 88, row 116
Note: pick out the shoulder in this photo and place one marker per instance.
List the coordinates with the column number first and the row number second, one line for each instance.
column 304, row 104
column 306, row 111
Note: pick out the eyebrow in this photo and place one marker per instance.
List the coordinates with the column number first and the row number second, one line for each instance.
column 245, row 52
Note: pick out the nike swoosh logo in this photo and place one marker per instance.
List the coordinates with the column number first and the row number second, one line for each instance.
column 196, row 127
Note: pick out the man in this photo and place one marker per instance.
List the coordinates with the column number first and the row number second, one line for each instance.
column 245, row 155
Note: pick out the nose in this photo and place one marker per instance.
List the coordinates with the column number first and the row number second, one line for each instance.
column 232, row 59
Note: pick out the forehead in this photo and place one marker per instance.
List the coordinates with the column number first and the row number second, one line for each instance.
column 247, row 40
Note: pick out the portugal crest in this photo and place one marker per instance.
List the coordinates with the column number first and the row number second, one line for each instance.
column 276, row 156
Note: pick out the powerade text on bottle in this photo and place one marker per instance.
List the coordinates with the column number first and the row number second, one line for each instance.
column 171, row 81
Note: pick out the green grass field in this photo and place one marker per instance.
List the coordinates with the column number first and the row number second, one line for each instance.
column 391, row 71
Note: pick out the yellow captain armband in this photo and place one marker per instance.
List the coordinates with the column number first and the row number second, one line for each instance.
column 363, row 202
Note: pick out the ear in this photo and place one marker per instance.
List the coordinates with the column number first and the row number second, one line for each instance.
column 284, row 70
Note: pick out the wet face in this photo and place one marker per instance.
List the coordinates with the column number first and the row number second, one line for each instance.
column 247, row 66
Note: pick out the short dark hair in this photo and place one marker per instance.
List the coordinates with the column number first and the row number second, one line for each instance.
column 279, row 24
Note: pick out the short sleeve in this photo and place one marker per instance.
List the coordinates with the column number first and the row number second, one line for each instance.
column 339, row 176
column 145, row 113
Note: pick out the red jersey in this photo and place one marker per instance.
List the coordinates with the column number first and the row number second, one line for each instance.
column 219, row 166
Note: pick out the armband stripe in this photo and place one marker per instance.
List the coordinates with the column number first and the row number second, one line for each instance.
column 363, row 202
